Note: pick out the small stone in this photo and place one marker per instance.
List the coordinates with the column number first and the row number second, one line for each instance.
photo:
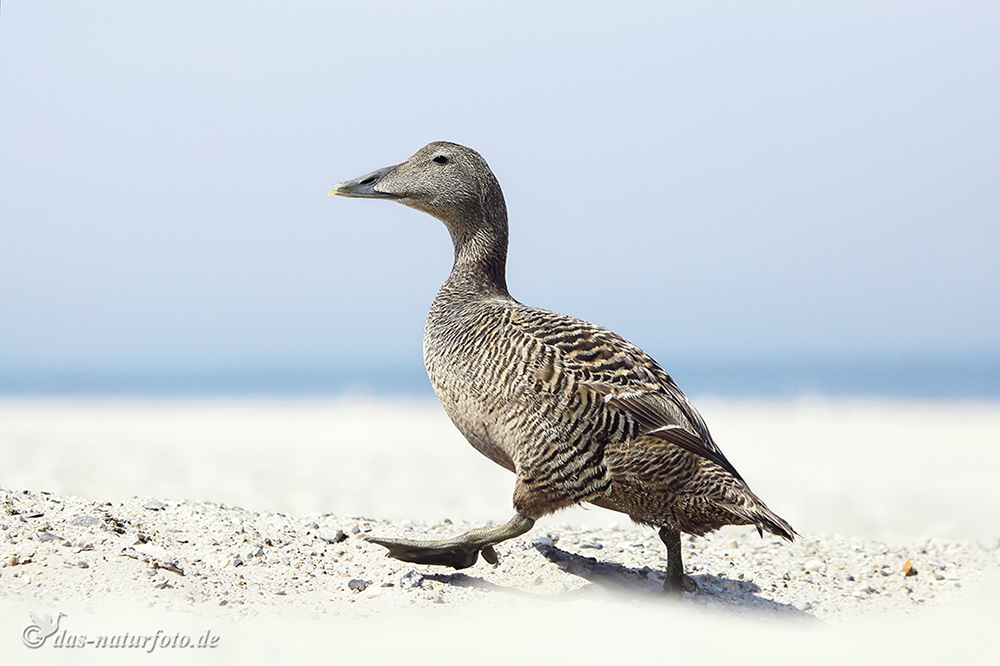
column 173, row 567
column 49, row 536
column 223, row 602
column 411, row 578
column 154, row 505
column 358, row 585
column 355, row 530
column 592, row 544
column 331, row 535
column 908, row 568
column 84, row 521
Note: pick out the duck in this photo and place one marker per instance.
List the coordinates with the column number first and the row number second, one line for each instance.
column 575, row 411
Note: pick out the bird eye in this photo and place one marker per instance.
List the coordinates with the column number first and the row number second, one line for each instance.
column 441, row 159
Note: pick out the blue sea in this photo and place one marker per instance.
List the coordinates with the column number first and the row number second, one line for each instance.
column 913, row 378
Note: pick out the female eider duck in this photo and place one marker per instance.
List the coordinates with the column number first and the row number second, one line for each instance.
column 578, row 413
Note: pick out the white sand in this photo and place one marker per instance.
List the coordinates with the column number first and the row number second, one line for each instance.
column 899, row 481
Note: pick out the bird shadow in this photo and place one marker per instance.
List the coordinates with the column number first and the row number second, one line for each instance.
column 617, row 582
column 629, row 584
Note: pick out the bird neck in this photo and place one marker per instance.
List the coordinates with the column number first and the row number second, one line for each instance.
column 481, row 252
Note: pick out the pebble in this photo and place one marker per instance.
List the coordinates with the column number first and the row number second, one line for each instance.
column 812, row 565
column 154, row 505
column 411, row 579
column 358, row 585
column 49, row 536
column 331, row 535
column 84, row 521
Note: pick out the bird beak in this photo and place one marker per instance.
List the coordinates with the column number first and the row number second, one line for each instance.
column 365, row 186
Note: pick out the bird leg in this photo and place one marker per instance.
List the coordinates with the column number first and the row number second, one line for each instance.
column 458, row 552
column 677, row 580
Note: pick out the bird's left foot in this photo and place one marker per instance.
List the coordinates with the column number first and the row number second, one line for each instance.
column 458, row 552
column 446, row 553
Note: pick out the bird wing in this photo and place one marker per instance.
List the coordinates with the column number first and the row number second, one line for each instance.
column 655, row 411
column 626, row 377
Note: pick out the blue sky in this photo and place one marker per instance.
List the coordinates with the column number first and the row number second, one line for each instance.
column 711, row 180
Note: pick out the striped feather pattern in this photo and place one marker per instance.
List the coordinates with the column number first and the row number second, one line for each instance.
column 578, row 413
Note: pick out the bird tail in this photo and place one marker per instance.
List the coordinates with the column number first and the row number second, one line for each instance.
column 773, row 523
column 756, row 513
column 745, row 508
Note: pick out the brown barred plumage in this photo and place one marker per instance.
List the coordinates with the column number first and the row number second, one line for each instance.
column 578, row 413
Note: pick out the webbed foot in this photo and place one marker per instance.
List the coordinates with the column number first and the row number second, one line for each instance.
column 458, row 552
column 681, row 583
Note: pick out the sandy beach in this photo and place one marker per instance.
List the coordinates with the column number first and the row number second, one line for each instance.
column 245, row 518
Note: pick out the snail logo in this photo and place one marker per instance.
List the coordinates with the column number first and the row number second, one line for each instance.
column 34, row 634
